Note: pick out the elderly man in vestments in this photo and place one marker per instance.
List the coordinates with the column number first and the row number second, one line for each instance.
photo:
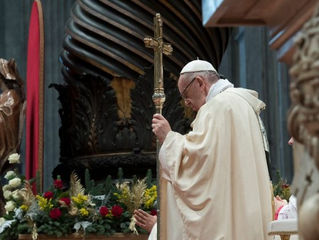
column 218, row 185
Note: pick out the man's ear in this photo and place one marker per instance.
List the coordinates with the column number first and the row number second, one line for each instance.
column 202, row 82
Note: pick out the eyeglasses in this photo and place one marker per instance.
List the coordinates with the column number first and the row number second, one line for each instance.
column 188, row 85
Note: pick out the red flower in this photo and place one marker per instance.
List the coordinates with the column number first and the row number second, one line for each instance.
column 104, row 211
column 48, row 195
column 285, row 185
column 55, row 213
column 117, row 211
column 58, row 183
column 65, row 201
column 154, row 212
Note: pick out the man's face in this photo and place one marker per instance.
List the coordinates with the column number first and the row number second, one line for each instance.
column 192, row 91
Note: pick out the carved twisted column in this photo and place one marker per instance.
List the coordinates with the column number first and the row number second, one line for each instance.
column 107, row 96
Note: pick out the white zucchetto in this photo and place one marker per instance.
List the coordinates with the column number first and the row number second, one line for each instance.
column 198, row 66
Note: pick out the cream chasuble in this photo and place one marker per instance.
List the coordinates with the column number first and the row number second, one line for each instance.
column 216, row 175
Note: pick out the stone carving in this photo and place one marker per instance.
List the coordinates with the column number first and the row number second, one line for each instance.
column 304, row 89
column 303, row 123
column 309, row 218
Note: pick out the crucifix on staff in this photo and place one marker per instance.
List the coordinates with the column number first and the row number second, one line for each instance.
column 159, row 48
column 158, row 98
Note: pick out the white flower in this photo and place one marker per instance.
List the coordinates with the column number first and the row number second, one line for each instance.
column 6, row 187
column 5, row 225
column 2, row 220
column 18, row 213
column 16, row 195
column 16, row 182
column 14, row 158
column 83, row 224
column 10, row 175
column 7, row 194
column 10, row 206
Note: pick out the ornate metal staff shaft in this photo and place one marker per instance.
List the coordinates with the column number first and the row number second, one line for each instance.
column 159, row 96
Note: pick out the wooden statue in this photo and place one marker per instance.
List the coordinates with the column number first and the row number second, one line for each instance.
column 12, row 113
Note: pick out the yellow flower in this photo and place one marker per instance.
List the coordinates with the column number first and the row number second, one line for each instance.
column 24, row 207
column 84, row 212
column 80, row 199
column 124, row 193
column 150, row 196
column 44, row 202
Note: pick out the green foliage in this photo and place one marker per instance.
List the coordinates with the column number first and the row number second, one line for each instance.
column 38, row 181
column 101, row 227
column 134, row 179
column 58, row 228
column 24, row 228
column 99, row 208
column 95, row 189
column 10, row 233
column 149, row 179
column 120, row 175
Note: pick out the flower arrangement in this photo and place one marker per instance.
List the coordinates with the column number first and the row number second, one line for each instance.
column 101, row 209
column 281, row 191
column 281, row 188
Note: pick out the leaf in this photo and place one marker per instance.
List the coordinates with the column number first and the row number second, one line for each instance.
column 75, row 185
column 138, row 190
column 38, row 181
column 108, row 184
column 148, row 178
column 120, row 175
column 123, row 225
column 6, row 224
column 23, row 228
column 27, row 194
column 83, row 225
column 91, row 230
column 88, row 182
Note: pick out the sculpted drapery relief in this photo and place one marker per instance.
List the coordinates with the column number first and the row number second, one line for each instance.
column 303, row 123
column 12, row 114
column 12, row 99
